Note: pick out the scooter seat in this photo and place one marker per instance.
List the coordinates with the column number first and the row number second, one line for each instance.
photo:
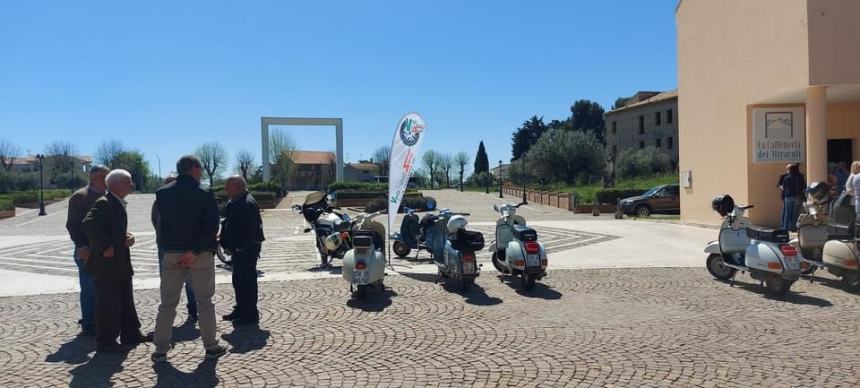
column 524, row 233
column 769, row 235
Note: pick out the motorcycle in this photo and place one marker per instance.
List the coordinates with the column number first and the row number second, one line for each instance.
column 364, row 263
column 331, row 228
column 516, row 249
column 824, row 246
column 765, row 254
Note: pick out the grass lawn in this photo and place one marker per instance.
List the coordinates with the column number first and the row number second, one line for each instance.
column 587, row 193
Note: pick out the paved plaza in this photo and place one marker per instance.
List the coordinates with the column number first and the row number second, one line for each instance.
column 627, row 303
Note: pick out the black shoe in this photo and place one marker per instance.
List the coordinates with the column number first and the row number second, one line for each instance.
column 158, row 358
column 139, row 339
column 216, row 352
column 112, row 348
column 232, row 316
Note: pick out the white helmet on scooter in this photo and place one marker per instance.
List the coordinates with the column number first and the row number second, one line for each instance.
column 333, row 241
column 456, row 223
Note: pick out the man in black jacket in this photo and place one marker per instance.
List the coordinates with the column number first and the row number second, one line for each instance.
column 242, row 235
column 187, row 225
column 106, row 227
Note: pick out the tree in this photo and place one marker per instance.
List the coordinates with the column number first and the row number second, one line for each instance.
column 588, row 116
column 8, row 153
column 461, row 159
column 381, row 157
column 567, row 156
column 133, row 162
column 213, row 157
column 446, row 163
column 61, row 156
column 108, row 151
column 620, row 102
column 431, row 163
column 282, row 146
column 527, row 135
column 482, row 162
column 245, row 163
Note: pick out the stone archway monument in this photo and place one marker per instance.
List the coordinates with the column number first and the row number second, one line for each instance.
column 337, row 123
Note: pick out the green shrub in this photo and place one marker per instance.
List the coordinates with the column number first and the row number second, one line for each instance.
column 358, row 186
column 376, row 205
column 642, row 162
column 6, row 204
column 263, row 195
column 20, row 197
column 611, row 196
column 264, row 186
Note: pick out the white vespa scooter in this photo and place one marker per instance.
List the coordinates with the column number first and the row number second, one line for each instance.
column 765, row 254
column 516, row 250
column 364, row 264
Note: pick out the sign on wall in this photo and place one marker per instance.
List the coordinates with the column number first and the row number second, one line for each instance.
column 779, row 135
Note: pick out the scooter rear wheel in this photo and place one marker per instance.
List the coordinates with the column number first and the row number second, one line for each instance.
column 851, row 281
column 498, row 264
column 401, row 249
column 776, row 285
column 718, row 268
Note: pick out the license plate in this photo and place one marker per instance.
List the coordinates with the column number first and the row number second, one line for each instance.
column 361, row 277
column 533, row 261
column 792, row 263
column 469, row 267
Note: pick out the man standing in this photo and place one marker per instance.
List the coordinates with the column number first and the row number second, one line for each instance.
column 242, row 234
column 106, row 227
column 187, row 226
column 189, row 292
column 79, row 204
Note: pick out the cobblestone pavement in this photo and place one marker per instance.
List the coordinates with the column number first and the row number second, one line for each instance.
column 619, row 327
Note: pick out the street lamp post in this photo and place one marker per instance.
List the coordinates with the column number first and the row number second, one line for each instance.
column 525, row 196
column 501, row 180
column 41, row 158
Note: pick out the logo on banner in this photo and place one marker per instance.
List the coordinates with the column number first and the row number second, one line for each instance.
column 410, row 132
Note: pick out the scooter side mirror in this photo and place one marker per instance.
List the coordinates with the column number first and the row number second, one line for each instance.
column 495, row 207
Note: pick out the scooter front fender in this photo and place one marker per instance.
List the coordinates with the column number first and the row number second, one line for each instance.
column 713, row 247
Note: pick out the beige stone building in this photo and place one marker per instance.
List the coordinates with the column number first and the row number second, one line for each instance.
column 648, row 119
column 763, row 83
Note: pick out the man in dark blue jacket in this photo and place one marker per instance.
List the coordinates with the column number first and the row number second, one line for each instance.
column 242, row 235
column 187, row 224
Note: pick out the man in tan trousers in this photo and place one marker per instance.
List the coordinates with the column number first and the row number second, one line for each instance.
column 187, row 223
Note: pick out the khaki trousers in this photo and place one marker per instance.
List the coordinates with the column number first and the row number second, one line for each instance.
column 202, row 275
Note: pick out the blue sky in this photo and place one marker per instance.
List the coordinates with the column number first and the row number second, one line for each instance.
column 165, row 77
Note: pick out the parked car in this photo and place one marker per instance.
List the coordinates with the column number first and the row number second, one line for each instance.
column 665, row 199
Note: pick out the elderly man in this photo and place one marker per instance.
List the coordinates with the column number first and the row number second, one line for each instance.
column 187, row 226
column 106, row 227
column 242, row 235
column 79, row 204
column 191, row 305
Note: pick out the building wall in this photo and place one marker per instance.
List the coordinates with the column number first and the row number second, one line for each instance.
column 732, row 54
column 834, row 42
column 627, row 134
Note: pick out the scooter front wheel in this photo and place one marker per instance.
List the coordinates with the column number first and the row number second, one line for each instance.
column 718, row 268
column 401, row 249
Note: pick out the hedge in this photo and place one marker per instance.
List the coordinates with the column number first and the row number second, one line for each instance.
column 263, row 195
column 611, row 196
column 358, row 186
column 414, row 202
column 6, row 204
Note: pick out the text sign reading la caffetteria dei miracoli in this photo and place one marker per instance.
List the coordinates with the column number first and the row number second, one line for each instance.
column 778, row 135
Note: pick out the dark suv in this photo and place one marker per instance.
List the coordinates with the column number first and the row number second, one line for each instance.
column 664, row 199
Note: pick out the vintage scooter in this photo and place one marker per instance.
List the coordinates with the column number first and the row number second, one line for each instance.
column 826, row 245
column 516, row 250
column 364, row 263
column 766, row 254
column 408, row 239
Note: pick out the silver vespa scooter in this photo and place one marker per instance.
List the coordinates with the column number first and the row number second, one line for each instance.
column 764, row 253
column 516, row 250
column 364, row 263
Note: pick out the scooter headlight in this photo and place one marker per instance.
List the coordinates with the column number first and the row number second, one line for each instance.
column 333, row 241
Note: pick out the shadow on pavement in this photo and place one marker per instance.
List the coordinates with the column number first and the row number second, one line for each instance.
column 247, row 338
column 792, row 296
column 331, row 269
column 75, row 351
column 203, row 376
column 541, row 291
column 98, row 371
column 828, row 282
column 476, row 295
column 374, row 301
